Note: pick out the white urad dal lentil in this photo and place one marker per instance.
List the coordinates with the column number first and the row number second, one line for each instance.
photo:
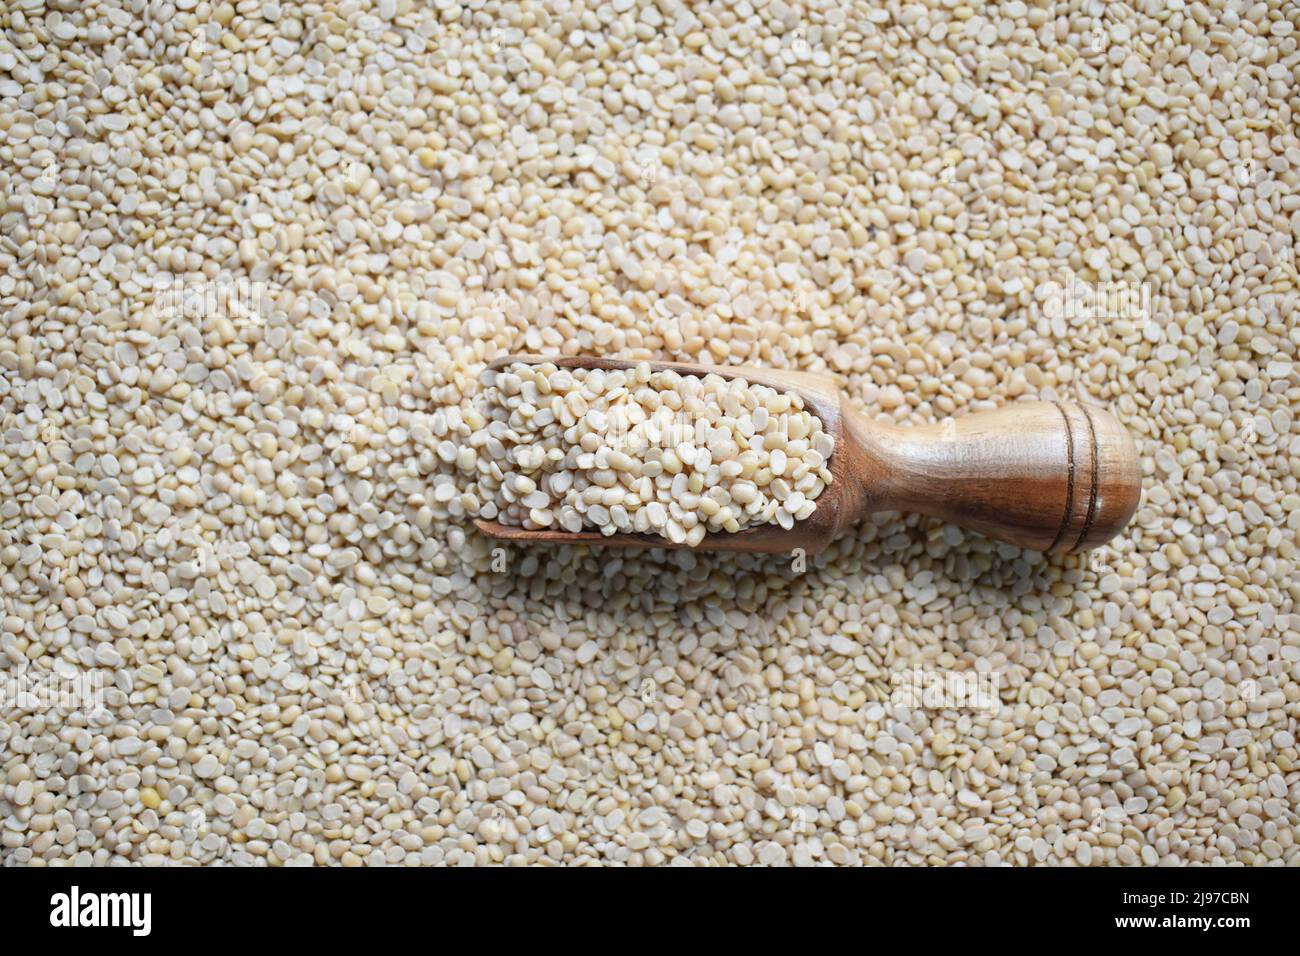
column 646, row 452
column 250, row 519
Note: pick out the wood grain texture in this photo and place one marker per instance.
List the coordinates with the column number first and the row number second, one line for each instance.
column 1045, row 476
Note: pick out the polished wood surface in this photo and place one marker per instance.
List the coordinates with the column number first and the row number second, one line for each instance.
column 1046, row 476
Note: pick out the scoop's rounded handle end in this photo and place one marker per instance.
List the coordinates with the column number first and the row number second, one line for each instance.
column 1108, row 478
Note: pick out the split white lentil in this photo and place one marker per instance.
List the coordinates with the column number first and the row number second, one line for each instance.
column 647, row 452
column 243, row 508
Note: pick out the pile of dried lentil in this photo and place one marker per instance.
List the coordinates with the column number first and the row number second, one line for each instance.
column 645, row 452
column 254, row 256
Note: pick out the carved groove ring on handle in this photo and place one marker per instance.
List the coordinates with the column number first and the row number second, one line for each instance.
column 1069, row 479
column 1092, row 488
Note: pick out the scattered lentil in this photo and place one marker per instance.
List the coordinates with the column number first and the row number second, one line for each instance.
column 363, row 204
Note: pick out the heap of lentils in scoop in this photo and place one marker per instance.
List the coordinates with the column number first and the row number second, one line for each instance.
column 642, row 451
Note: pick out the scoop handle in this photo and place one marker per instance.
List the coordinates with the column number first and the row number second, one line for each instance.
column 1053, row 477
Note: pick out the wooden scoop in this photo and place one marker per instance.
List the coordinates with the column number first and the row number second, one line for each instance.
column 1048, row 476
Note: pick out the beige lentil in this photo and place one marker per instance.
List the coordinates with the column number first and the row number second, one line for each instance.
column 895, row 193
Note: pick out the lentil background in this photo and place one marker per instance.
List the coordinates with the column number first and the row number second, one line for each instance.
column 246, row 512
